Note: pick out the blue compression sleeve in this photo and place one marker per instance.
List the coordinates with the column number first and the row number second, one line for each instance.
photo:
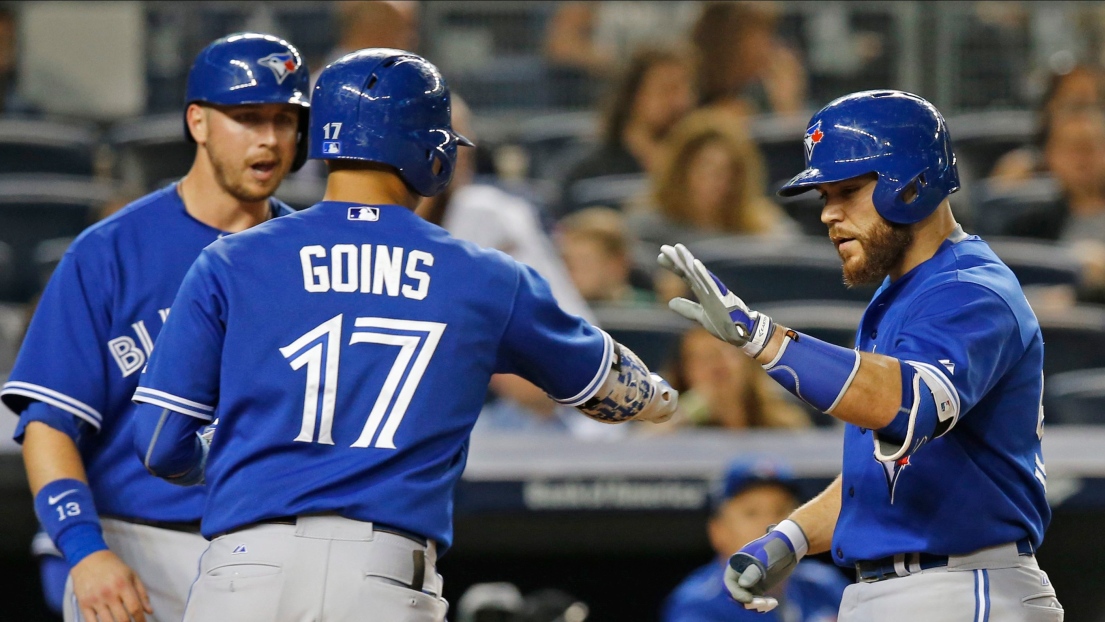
column 68, row 515
column 169, row 445
column 816, row 371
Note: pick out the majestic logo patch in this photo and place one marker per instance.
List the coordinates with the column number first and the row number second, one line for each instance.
column 238, row 550
column 282, row 65
column 812, row 139
column 368, row 214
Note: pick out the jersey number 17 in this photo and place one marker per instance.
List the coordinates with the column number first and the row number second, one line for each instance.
column 319, row 350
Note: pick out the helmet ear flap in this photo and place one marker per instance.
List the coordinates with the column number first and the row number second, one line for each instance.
column 441, row 168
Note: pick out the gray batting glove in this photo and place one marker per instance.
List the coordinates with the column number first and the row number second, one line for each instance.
column 718, row 310
column 764, row 563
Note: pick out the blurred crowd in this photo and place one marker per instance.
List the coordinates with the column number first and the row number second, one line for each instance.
column 681, row 91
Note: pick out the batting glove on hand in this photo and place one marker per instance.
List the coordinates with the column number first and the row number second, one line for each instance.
column 764, row 563
column 718, row 310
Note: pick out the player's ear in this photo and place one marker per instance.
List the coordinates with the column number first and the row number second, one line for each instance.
column 196, row 117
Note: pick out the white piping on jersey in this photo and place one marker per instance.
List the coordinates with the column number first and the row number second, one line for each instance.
column 605, row 369
column 903, row 449
column 169, row 396
column 173, row 407
column 54, row 398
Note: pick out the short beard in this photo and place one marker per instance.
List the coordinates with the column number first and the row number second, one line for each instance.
column 235, row 189
column 883, row 248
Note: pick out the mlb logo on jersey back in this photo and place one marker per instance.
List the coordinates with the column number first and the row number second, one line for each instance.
column 370, row 214
column 331, row 147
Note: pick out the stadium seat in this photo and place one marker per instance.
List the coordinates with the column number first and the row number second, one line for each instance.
column 652, row 332
column 609, row 190
column 1074, row 338
column 779, row 138
column 554, row 142
column 981, row 138
column 12, row 320
column 1075, row 397
column 7, row 270
column 1037, row 262
column 762, row 270
column 997, row 207
column 150, row 150
column 834, row 321
column 45, row 146
column 47, row 254
column 35, row 208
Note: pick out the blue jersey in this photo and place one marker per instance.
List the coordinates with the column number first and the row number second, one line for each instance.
column 812, row 594
column 962, row 315
column 345, row 351
column 91, row 335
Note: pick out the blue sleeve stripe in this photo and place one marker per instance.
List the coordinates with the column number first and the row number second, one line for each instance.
column 600, row 375
column 53, row 398
column 146, row 391
column 173, row 407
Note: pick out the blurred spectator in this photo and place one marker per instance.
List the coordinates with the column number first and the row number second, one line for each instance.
column 653, row 94
column 373, row 24
column 599, row 254
column 752, row 495
column 492, row 218
column 11, row 102
column 490, row 602
column 721, row 386
column 1079, row 88
column 710, row 181
column 588, row 42
column 743, row 66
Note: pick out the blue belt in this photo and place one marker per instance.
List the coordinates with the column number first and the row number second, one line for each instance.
column 905, row 564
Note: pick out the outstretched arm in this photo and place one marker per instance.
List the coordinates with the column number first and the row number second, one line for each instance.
column 905, row 401
column 170, row 445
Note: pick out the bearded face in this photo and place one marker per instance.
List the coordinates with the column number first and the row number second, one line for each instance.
column 868, row 256
column 869, row 245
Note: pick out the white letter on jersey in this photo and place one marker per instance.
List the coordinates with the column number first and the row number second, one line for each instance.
column 343, row 268
column 325, row 342
column 388, row 270
column 315, row 278
column 127, row 355
column 419, row 292
column 366, row 268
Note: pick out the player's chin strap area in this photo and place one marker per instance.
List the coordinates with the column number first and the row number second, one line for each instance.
column 630, row 391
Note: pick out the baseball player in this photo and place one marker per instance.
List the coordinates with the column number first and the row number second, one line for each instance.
column 940, row 506
column 131, row 539
column 753, row 493
column 346, row 351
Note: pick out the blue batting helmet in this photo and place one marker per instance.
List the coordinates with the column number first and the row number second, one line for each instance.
column 251, row 68
column 390, row 107
column 897, row 135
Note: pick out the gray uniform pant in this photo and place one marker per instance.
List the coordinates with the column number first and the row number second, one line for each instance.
column 165, row 560
column 322, row 569
column 989, row 585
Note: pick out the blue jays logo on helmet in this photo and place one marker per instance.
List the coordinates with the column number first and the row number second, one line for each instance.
column 282, row 65
column 813, row 137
